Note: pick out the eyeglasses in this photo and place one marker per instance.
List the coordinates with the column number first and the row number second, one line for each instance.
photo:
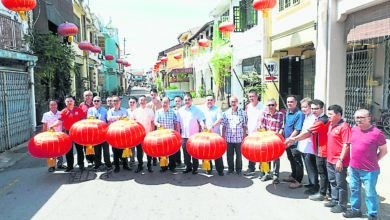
column 271, row 105
column 115, row 100
column 131, row 102
column 96, row 100
column 315, row 109
column 360, row 118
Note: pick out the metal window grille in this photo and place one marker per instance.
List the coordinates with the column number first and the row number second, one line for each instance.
column 15, row 115
column 358, row 89
column 10, row 34
column 236, row 19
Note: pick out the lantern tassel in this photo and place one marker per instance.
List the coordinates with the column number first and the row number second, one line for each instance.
column 70, row 39
column 264, row 167
column 226, row 35
column 126, row 153
column 206, row 165
column 163, row 162
column 109, row 61
column 51, row 162
column 90, row 150
column 265, row 14
column 85, row 52
column 23, row 15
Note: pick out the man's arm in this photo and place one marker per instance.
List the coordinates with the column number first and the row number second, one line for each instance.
column 56, row 124
column 294, row 138
column 223, row 131
column 345, row 150
column 382, row 151
column 244, row 130
column 44, row 126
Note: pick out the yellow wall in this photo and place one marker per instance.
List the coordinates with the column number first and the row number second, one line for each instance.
column 172, row 62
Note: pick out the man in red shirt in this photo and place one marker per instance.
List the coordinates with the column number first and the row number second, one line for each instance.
column 339, row 136
column 68, row 116
column 87, row 104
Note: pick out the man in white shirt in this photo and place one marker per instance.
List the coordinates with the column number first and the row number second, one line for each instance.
column 48, row 119
column 145, row 116
column 254, row 110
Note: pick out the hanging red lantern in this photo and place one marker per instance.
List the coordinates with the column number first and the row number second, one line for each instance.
column 49, row 145
column 206, row 146
column 85, row 47
column 263, row 146
column 178, row 56
column 20, row 6
column 125, row 134
column 109, row 57
column 68, row 30
column 158, row 63
column 96, row 49
column 164, row 59
column 89, row 132
column 194, row 49
column 126, row 63
column 162, row 143
column 264, row 5
column 204, row 43
column 119, row 61
column 226, row 28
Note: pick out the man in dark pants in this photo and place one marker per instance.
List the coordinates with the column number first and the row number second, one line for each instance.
column 68, row 116
column 292, row 127
column 190, row 118
column 318, row 131
column 178, row 100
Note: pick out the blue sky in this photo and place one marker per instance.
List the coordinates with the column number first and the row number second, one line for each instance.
column 150, row 26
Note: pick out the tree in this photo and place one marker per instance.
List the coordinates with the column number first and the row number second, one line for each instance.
column 254, row 81
column 221, row 62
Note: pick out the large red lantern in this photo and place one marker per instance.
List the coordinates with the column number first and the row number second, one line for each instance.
column 125, row 134
column 85, row 47
column 162, row 143
column 264, row 5
column 49, row 144
column 178, row 56
column 204, row 43
column 109, row 57
column 194, row 49
column 226, row 28
column 119, row 61
column 20, row 6
column 96, row 49
column 89, row 132
column 263, row 146
column 206, row 146
column 68, row 30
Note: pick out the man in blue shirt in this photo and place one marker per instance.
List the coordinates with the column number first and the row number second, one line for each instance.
column 98, row 112
column 292, row 127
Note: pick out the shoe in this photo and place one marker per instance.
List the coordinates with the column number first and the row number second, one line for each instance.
column 187, row 170
column 311, row 191
column 109, row 168
column 163, row 170
column 265, row 178
column 82, row 168
column 317, row 197
column 150, row 170
column 308, row 185
column 127, row 168
column 173, row 170
column 239, row 173
column 90, row 164
column 295, row 185
column 338, row 209
column 372, row 217
column 221, row 173
column 249, row 172
column 194, row 172
column 209, row 172
column 69, row 169
column 229, row 172
column 289, row 179
column 117, row 169
column 139, row 169
column 96, row 167
column 275, row 180
column 352, row 214
column 61, row 167
column 51, row 169
column 330, row 204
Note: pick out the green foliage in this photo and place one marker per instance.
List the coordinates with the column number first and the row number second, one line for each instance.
column 159, row 85
column 210, row 91
column 193, row 94
column 172, row 87
column 254, row 81
column 221, row 62
column 52, row 72
column 81, row 83
column 201, row 91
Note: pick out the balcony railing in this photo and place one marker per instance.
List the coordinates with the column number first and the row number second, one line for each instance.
column 10, row 34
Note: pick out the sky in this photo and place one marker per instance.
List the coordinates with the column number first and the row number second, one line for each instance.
column 151, row 26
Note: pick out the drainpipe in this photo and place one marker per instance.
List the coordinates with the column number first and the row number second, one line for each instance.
column 30, row 68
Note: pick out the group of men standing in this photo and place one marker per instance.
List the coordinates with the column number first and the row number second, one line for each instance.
column 324, row 143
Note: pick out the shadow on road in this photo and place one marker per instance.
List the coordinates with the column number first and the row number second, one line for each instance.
column 234, row 181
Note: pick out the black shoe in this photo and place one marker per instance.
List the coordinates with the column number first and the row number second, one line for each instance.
column 69, row 169
column 173, row 170
column 317, row 197
column 330, row 204
column 51, row 169
column 372, row 217
column 61, row 167
column 352, row 214
column 127, row 168
column 311, row 191
column 150, row 169
column 117, row 169
column 194, row 172
column 229, row 172
column 221, row 173
column 163, row 169
column 308, row 185
column 139, row 169
column 187, row 170
column 338, row 209
column 109, row 168
column 249, row 172
column 209, row 172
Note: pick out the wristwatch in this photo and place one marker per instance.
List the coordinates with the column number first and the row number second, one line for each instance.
column 341, row 159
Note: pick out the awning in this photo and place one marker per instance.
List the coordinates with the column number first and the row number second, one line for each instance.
column 182, row 70
column 373, row 29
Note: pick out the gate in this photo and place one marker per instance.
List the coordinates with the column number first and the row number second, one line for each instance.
column 358, row 89
column 15, row 112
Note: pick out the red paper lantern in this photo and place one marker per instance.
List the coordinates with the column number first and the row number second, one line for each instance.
column 264, row 5
column 263, row 146
column 226, row 28
column 85, row 47
column 162, row 143
column 158, row 63
column 89, row 132
column 126, row 63
column 204, row 43
column 125, row 134
column 164, row 59
column 206, row 146
column 49, row 145
column 119, row 61
column 20, row 6
column 109, row 57
column 68, row 30
column 178, row 56
column 194, row 49
column 96, row 49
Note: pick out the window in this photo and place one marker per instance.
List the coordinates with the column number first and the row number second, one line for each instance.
column 245, row 16
column 285, row 4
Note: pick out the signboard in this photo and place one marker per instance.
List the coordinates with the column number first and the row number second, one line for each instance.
column 102, row 43
column 272, row 74
column 101, row 79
